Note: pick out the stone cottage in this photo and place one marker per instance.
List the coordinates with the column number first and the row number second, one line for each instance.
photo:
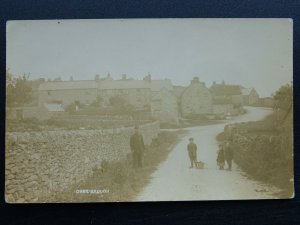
column 68, row 92
column 135, row 92
column 250, row 96
column 164, row 106
column 227, row 99
column 138, row 93
column 196, row 99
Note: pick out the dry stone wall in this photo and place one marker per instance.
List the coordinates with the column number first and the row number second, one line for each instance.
column 39, row 163
column 262, row 151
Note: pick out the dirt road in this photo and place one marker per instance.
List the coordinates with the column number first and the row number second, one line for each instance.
column 175, row 181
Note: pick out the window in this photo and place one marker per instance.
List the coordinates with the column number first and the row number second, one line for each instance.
column 49, row 92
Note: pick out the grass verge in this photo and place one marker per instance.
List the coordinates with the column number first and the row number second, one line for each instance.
column 264, row 150
column 119, row 177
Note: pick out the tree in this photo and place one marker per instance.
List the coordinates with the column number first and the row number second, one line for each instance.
column 284, row 97
column 18, row 90
column 71, row 108
column 97, row 102
column 9, row 88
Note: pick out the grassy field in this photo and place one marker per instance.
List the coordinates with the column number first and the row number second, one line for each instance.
column 119, row 177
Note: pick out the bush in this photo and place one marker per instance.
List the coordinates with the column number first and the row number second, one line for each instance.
column 264, row 150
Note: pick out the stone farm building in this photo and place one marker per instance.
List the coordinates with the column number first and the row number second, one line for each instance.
column 67, row 92
column 227, row 99
column 165, row 102
column 164, row 106
column 196, row 99
column 155, row 95
column 250, row 96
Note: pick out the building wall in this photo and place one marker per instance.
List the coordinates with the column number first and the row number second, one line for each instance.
column 253, row 97
column 237, row 100
column 138, row 97
column 196, row 99
column 246, row 99
column 67, row 97
column 164, row 107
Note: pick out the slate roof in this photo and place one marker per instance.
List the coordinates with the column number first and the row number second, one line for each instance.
column 157, row 85
column 68, row 85
column 154, row 85
column 225, row 90
column 246, row 91
column 123, row 84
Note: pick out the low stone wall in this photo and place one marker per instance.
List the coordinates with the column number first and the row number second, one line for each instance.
column 93, row 123
column 263, row 152
column 39, row 163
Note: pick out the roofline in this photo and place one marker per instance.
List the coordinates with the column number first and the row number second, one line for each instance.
column 66, row 89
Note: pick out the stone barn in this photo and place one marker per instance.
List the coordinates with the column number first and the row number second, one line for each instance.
column 250, row 96
column 227, row 99
column 196, row 99
column 68, row 92
column 164, row 106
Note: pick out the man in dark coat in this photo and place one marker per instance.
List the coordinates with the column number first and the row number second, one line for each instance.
column 228, row 155
column 192, row 150
column 137, row 148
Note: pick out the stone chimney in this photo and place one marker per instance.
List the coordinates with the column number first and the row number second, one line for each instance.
column 148, row 77
column 109, row 77
column 97, row 77
column 124, row 77
column 195, row 80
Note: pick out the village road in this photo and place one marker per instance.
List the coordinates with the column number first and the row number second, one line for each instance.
column 175, row 181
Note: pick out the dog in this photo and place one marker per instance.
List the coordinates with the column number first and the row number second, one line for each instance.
column 200, row 165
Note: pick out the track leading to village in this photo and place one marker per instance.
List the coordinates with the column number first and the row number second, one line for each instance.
column 175, row 181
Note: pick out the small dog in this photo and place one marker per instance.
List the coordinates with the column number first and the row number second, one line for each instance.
column 200, row 165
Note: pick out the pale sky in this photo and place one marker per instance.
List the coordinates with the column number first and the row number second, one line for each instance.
column 251, row 52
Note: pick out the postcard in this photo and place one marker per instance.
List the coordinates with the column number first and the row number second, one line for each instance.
column 122, row 110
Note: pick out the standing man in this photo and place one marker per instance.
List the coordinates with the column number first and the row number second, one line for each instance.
column 221, row 157
column 137, row 148
column 228, row 155
column 192, row 150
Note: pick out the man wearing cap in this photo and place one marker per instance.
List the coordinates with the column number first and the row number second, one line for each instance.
column 137, row 148
column 192, row 150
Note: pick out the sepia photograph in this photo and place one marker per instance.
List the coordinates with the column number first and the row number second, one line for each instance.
column 139, row 110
